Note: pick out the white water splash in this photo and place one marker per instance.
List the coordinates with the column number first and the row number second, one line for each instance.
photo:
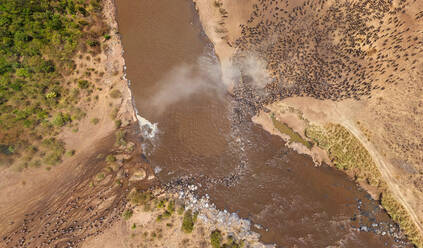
column 148, row 129
column 157, row 169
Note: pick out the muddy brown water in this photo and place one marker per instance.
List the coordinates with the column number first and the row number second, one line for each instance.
column 296, row 204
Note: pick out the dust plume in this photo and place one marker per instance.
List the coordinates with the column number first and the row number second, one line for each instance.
column 206, row 76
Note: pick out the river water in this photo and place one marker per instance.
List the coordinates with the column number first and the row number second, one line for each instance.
column 243, row 168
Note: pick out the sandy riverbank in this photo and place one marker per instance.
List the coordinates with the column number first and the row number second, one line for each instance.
column 381, row 124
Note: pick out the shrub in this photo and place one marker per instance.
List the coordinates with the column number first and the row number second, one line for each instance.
column 51, row 95
column 83, row 84
column 93, row 43
column 120, row 138
column 127, row 214
column 61, row 119
column 118, row 123
column 138, row 198
column 110, row 158
column 161, row 204
column 188, row 223
column 216, row 238
column 100, row 176
column 70, row 153
column 167, row 214
column 95, row 121
column 115, row 94
column 171, row 206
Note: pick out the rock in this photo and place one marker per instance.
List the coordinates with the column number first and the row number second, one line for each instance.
column 150, row 177
column 139, row 175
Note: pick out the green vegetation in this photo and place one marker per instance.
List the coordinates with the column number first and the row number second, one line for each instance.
column 171, row 206
column 216, row 239
column 137, row 197
column 54, row 149
column 400, row 216
column 188, row 222
column 70, row 153
column 127, row 214
column 120, row 138
column 118, row 124
column 110, row 159
column 100, row 176
column 115, row 94
column 37, row 46
column 348, row 154
column 161, row 204
column 293, row 136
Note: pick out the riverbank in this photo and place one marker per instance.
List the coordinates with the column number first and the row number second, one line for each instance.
column 175, row 217
column 106, row 119
column 388, row 163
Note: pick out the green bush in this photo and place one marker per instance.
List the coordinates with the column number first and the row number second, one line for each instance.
column 110, row 158
column 93, row 43
column 37, row 43
column 171, row 206
column 139, row 198
column 61, row 119
column 127, row 214
column 120, row 138
column 216, row 238
column 95, row 121
column 118, row 123
column 188, row 222
column 83, row 84
column 115, row 94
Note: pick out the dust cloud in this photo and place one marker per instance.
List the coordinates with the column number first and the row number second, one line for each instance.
column 206, row 76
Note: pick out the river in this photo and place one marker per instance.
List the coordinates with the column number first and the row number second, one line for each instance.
column 243, row 168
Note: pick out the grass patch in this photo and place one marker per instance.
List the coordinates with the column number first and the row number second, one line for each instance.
column 95, row 121
column 115, row 94
column 400, row 216
column 188, row 222
column 137, row 197
column 293, row 136
column 100, row 176
column 216, row 238
column 346, row 152
column 120, row 138
column 127, row 214
column 110, row 159
column 118, row 124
